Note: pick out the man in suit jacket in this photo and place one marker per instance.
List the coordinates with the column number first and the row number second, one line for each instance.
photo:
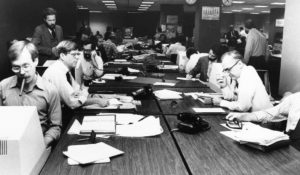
column 47, row 35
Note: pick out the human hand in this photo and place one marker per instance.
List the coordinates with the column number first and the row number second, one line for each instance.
column 102, row 102
column 47, row 141
column 189, row 76
column 240, row 116
column 221, row 80
column 216, row 101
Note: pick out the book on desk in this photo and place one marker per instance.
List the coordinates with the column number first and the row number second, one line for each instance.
column 100, row 124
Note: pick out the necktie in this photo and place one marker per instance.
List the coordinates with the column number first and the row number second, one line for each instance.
column 53, row 32
column 69, row 77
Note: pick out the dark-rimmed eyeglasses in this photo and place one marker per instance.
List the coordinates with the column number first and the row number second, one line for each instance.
column 17, row 69
column 229, row 69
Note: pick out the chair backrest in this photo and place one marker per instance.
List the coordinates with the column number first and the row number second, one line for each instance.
column 264, row 75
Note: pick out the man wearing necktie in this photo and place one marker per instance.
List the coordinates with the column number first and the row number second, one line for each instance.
column 47, row 35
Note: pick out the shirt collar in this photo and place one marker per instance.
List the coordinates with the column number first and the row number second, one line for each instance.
column 62, row 66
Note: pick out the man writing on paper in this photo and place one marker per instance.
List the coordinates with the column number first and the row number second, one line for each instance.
column 288, row 109
column 59, row 74
column 246, row 91
column 27, row 88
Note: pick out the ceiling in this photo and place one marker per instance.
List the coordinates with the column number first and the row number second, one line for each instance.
column 97, row 6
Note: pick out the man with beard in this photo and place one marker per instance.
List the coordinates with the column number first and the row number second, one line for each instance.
column 204, row 64
column 47, row 35
column 27, row 88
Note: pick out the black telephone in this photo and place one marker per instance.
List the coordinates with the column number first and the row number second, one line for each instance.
column 145, row 91
column 191, row 123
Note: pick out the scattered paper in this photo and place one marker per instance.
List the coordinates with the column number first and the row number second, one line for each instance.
column 186, row 79
column 133, row 70
column 120, row 60
column 167, row 67
column 209, row 110
column 74, row 162
column 163, row 84
column 100, row 124
column 75, row 128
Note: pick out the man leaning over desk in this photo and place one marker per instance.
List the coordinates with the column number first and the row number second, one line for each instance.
column 27, row 88
column 246, row 91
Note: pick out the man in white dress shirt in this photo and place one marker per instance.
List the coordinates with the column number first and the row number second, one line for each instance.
column 249, row 93
column 59, row 74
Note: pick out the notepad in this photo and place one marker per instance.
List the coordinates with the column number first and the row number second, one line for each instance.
column 209, row 110
column 163, row 84
column 166, row 94
column 104, row 124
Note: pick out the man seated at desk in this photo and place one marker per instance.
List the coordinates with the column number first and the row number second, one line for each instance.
column 59, row 74
column 246, row 91
column 288, row 109
column 27, row 88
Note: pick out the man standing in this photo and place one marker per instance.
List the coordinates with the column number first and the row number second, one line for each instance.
column 256, row 45
column 27, row 88
column 47, row 35
column 250, row 93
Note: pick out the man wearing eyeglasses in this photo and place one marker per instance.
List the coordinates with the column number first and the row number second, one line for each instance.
column 251, row 94
column 59, row 74
column 27, row 88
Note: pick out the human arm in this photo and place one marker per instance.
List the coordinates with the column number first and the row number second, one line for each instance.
column 55, row 117
column 248, row 48
column 98, row 64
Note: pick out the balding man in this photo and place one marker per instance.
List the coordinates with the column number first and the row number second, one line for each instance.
column 249, row 90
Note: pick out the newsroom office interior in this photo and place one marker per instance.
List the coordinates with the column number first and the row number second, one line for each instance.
column 23, row 16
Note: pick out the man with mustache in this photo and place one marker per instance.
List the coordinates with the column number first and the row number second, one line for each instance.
column 47, row 35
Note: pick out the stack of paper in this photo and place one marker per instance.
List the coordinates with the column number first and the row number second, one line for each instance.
column 104, row 124
column 252, row 133
column 91, row 153
column 209, row 110
column 166, row 94
column 149, row 126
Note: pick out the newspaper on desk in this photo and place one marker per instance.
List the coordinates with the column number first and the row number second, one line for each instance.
column 128, row 125
column 252, row 133
column 91, row 153
column 167, row 67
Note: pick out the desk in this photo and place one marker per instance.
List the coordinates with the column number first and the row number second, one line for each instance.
column 154, row 155
column 212, row 153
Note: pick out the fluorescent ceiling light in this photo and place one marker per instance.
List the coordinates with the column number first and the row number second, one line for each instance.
column 265, row 11
column 108, row 1
column 238, row 2
column 254, row 13
column 247, row 8
column 142, row 9
column 236, row 10
column 147, row 2
column 227, row 12
column 277, row 3
column 110, row 4
column 145, row 5
column 261, row 6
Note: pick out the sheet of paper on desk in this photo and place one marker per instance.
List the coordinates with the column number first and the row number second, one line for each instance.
column 104, row 123
column 133, row 70
column 166, row 94
column 110, row 76
column 91, row 153
column 120, row 60
column 166, row 67
column 125, row 118
column 186, row 79
column 75, row 128
column 150, row 126
column 209, row 110
column 74, row 162
column 163, row 84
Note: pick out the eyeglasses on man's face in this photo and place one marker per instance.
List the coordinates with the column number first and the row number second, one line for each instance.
column 17, row 69
column 229, row 69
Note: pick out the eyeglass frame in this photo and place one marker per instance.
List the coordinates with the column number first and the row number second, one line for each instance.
column 17, row 69
column 229, row 69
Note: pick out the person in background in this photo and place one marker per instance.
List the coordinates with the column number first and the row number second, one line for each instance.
column 288, row 109
column 193, row 56
column 90, row 65
column 232, row 37
column 158, row 33
column 110, row 47
column 27, row 88
column 59, row 73
column 108, row 32
column 256, row 47
column 47, row 35
column 246, row 87
column 243, row 32
column 177, row 46
column 205, row 62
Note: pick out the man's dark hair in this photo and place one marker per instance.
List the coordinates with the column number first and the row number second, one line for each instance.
column 249, row 24
column 219, row 50
column 17, row 48
column 190, row 51
column 48, row 11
